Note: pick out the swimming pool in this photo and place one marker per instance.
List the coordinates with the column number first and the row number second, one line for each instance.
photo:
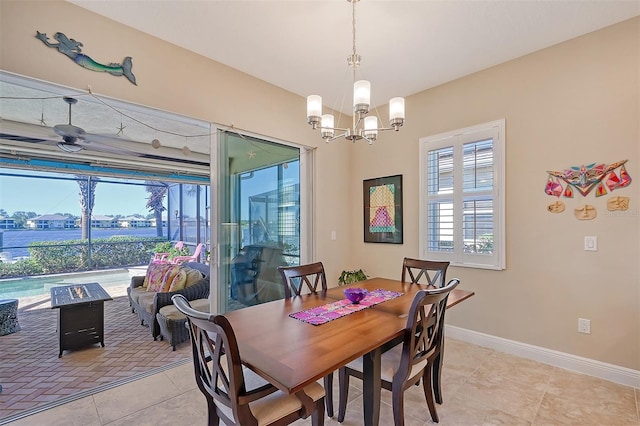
column 17, row 288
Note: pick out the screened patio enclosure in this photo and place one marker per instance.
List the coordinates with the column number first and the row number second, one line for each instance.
column 256, row 217
column 91, row 168
column 123, row 234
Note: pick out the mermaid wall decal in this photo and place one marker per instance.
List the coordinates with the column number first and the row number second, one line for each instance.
column 73, row 49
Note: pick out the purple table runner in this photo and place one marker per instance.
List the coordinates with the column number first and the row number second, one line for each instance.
column 330, row 311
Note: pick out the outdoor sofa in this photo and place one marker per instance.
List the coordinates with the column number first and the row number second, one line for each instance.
column 148, row 298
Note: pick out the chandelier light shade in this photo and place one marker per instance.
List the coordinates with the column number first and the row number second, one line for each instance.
column 364, row 127
column 361, row 96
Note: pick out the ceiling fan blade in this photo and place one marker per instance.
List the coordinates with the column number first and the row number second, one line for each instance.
column 95, row 142
column 69, row 130
column 103, row 138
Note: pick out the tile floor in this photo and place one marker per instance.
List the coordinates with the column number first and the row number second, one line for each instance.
column 481, row 387
column 32, row 375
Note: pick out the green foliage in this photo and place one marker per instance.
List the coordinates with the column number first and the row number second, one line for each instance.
column 54, row 257
column 121, row 251
column 21, row 268
column 163, row 247
column 169, row 247
column 485, row 243
column 348, row 277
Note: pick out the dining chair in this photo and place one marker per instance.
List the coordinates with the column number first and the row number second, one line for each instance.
column 235, row 394
column 295, row 280
column 433, row 274
column 404, row 365
column 430, row 272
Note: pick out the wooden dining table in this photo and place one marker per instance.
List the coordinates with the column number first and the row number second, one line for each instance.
column 291, row 354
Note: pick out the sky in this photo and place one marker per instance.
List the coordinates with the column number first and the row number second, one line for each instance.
column 50, row 196
column 44, row 196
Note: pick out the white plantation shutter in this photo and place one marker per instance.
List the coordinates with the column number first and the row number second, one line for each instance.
column 462, row 196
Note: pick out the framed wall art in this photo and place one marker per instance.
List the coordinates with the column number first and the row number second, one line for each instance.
column 383, row 209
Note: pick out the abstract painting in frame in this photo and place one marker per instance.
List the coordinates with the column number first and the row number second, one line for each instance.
column 383, row 210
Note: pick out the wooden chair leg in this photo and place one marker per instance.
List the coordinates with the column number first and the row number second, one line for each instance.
column 428, row 392
column 317, row 418
column 212, row 418
column 437, row 378
column 328, row 390
column 343, row 385
column 397, row 401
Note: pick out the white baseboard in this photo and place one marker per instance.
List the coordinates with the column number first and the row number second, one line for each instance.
column 602, row 370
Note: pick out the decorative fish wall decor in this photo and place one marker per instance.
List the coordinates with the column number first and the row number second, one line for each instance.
column 73, row 49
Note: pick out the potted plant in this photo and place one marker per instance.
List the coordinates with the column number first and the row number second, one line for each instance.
column 348, row 277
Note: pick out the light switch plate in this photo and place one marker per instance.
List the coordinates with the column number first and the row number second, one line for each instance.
column 591, row 243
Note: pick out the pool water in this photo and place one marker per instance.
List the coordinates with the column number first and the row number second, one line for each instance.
column 17, row 288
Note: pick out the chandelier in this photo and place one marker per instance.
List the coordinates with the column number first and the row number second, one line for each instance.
column 363, row 126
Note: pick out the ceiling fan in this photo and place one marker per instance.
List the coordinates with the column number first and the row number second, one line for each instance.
column 72, row 139
column 70, row 133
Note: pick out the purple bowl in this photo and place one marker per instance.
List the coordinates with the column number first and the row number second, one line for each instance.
column 355, row 294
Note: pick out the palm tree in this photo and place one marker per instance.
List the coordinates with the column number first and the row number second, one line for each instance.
column 155, row 202
column 87, row 186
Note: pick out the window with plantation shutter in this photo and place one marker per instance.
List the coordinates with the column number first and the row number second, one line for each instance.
column 462, row 196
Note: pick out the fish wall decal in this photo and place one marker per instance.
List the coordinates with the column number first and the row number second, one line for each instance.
column 73, row 49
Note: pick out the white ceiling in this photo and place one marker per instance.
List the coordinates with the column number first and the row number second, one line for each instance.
column 406, row 46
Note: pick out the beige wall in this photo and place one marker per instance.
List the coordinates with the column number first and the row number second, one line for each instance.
column 569, row 104
column 173, row 79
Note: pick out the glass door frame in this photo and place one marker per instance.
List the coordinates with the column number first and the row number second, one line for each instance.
column 307, row 202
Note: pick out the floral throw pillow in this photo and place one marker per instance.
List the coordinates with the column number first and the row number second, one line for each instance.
column 185, row 277
column 169, row 276
column 155, row 275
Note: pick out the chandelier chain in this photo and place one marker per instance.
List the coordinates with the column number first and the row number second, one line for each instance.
column 353, row 24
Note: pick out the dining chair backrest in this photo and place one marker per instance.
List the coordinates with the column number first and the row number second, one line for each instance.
column 221, row 377
column 406, row 363
column 425, row 324
column 296, row 278
column 429, row 272
column 216, row 360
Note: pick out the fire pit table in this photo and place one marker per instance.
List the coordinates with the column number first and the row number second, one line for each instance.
column 81, row 315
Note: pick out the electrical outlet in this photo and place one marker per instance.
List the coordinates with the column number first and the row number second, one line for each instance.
column 584, row 326
column 591, row 243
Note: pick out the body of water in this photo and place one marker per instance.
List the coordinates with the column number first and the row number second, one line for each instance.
column 20, row 238
column 20, row 288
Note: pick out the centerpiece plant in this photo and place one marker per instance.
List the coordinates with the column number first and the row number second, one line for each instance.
column 349, row 277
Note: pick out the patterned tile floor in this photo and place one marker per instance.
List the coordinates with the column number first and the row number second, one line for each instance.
column 480, row 387
column 111, row 385
column 32, row 375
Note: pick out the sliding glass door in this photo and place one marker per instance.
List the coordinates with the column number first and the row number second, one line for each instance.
column 259, row 216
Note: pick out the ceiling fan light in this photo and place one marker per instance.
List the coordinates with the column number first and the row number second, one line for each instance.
column 68, row 147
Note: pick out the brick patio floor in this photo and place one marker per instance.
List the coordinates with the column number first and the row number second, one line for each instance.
column 33, row 376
